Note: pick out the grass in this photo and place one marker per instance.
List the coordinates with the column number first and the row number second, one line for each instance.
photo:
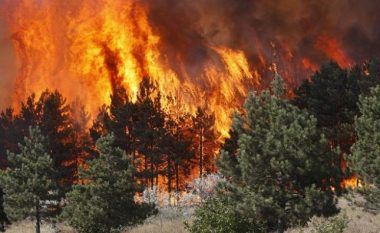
column 171, row 220
column 168, row 220
column 28, row 226
column 360, row 221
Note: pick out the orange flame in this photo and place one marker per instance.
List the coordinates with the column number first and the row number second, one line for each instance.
column 333, row 49
column 350, row 182
column 80, row 52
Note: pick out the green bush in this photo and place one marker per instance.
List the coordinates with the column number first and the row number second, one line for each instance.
column 220, row 216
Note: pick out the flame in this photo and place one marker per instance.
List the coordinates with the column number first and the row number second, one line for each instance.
column 333, row 49
column 351, row 182
column 85, row 48
column 309, row 65
column 85, row 51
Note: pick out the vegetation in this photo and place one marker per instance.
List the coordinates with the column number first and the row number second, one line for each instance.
column 220, row 216
column 335, row 224
column 280, row 175
column 29, row 180
column 285, row 160
column 365, row 159
column 104, row 200
column 160, row 145
column 331, row 95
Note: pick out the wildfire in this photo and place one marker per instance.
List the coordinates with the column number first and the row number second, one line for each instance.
column 82, row 52
column 352, row 182
column 201, row 55
column 333, row 49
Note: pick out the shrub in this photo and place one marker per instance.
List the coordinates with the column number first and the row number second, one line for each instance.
column 335, row 224
column 218, row 215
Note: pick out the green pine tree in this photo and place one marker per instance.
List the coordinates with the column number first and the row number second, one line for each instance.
column 365, row 159
column 280, row 174
column 104, row 201
column 29, row 180
column 52, row 115
column 9, row 135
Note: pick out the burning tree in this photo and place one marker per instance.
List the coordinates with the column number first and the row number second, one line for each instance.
column 53, row 115
column 331, row 96
column 280, row 173
column 159, row 142
column 204, row 140
column 178, row 147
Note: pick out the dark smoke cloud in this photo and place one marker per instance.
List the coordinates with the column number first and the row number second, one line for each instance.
column 187, row 27
column 281, row 31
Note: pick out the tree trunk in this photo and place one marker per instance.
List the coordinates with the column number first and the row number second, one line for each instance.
column 157, row 173
column 177, row 181
column 169, row 180
column 151, row 175
column 38, row 217
column 201, row 163
column 146, row 171
column 201, row 153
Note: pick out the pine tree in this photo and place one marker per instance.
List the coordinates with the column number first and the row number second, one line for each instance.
column 29, row 180
column 83, row 146
column 205, row 140
column 282, row 172
column 9, row 135
column 105, row 202
column 178, row 147
column 56, row 123
column 368, row 75
column 52, row 115
column 365, row 159
column 149, row 130
column 138, row 128
column 331, row 96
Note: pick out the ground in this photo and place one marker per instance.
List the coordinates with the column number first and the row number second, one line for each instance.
column 171, row 220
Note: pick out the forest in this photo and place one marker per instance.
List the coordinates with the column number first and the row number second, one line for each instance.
column 289, row 155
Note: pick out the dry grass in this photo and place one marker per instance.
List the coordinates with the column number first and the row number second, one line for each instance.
column 27, row 226
column 360, row 221
column 164, row 226
column 171, row 220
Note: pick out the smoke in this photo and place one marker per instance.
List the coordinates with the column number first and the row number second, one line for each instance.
column 68, row 45
column 188, row 27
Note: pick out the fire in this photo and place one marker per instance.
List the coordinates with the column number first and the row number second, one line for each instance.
column 333, row 49
column 84, row 51
column 352, row 182
column 309, row 65
column 200, row 53
column 207, row 54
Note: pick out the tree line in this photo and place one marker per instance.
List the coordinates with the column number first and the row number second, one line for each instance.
column 162, row 145
column 286, row 159
column 284, row 162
